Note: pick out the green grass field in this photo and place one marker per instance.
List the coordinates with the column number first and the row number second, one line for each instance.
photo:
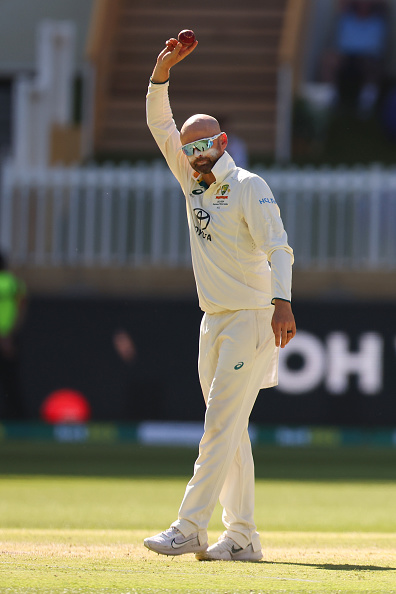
column 73, row 519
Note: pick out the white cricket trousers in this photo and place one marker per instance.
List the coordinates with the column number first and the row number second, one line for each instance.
column 237, row 357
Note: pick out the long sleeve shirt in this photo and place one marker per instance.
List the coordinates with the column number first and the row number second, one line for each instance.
column 235, row 225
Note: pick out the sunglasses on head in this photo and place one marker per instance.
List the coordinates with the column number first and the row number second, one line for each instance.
column 203, row 144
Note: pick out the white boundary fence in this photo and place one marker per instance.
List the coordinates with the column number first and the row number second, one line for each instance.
column 135, row 216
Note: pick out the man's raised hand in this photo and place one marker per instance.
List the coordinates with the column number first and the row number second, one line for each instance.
column 173, row 53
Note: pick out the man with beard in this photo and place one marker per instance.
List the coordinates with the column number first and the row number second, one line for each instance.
column 235, row 232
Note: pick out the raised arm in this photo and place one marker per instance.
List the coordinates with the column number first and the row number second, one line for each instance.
column 159, row 114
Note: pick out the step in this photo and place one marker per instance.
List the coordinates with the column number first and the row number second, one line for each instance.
column 195, row 14
column 130, row 34
column 124, row 90
column 132, row 6
column 242, row 52
column 125, row 109
column 228, row 77
column 130, row 129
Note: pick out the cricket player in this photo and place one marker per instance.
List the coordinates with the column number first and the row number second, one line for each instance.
column 242, row 266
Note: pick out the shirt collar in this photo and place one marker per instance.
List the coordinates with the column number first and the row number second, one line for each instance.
column 223, row 167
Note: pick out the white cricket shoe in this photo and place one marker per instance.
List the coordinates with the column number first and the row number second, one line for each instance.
column 226, row 549
column 172, row 542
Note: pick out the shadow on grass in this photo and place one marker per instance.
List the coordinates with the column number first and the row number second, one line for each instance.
column 332, row 567
column 117, row 460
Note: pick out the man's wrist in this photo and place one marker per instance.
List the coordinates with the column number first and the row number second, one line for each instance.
column 279, row 300
column 154, row 82
column 159, row 75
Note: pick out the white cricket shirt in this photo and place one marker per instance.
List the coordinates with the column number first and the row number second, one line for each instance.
column 235, row 225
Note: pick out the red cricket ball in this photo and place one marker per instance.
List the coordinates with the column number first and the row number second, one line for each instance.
column 186, row 37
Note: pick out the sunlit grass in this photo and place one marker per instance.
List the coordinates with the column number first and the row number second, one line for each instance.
column 76, row 522
column 70, row 561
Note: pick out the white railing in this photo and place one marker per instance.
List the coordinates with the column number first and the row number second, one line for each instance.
column 135, row 216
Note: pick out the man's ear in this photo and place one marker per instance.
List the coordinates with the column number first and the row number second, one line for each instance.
column 223, row 141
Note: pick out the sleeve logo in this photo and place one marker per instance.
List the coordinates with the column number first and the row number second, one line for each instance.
column 267, row 201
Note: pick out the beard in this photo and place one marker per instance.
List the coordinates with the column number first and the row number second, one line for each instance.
column 204, row 163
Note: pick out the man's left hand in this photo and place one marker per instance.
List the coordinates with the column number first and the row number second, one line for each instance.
column 283, row 323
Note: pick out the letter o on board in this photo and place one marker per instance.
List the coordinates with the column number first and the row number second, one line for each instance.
column 311, row 373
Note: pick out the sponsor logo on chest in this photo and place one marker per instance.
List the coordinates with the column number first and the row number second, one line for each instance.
column 221, row 199
column 202, row 220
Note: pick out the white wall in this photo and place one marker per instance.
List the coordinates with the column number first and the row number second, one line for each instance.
column 18, row 25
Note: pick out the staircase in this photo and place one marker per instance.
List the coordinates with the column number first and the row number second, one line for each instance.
column 232, row 74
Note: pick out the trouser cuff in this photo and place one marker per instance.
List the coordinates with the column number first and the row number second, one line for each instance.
column 187, row 528
column 243, row 541
column 256, row 544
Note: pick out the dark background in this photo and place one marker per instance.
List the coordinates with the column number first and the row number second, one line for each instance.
column 68, row 343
